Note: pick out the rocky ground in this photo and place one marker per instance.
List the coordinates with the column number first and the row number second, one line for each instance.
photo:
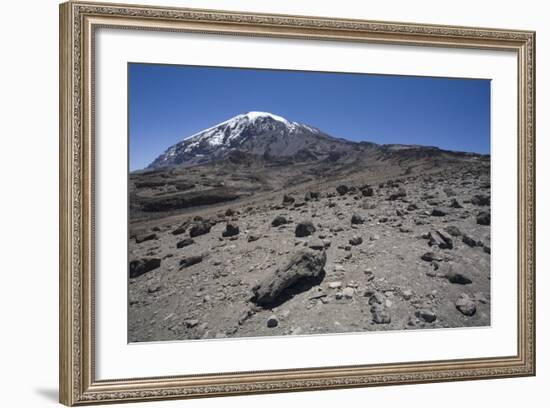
column 372, row 251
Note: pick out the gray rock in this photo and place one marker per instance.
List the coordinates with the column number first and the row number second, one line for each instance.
column 481, row 200
column 367, row 191
column 484, row 218
column 140, row 266
column 438, row 212
column 455, row 204
column 304, row 264
column 190, row 323
column 456, row 274
column 335, row 285
column 426, row 315
column 357, row 219
column 190, row 260
column 199, row 228
column 441, row 239
column 430, row 257
column 180, row 230
column 272, row 321
column 348, row 292
column 316, row 244
column 287, row 199
column 398, row 194
column 279, row 220
column 380, row 314
column 342, row 189
column 145, row 237
column 469, row 240
column 253, row 237
column 304, row 229
column 453, row 230
column 185, row 242
column 466, row 305
column 230, row 230
column 356, row 240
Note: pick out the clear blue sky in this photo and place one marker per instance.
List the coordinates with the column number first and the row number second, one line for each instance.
column 168, row 103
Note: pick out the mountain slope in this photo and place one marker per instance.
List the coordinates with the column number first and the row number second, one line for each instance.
column 259, row 133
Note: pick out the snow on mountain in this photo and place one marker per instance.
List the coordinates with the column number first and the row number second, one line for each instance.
column 260, row 133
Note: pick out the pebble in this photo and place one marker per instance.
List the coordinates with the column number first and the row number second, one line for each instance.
column 272, row 321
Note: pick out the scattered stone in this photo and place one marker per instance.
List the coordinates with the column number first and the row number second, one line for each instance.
column 367, row 191
column 438, row 212
column 287, row 199
column 441, row 239
column 140, row 266
column 304, row 229
column 342, row 189
column 279, row 220
column 376, row 297
column 380, row 314
column 412, row 207
column 316, row 244
column 357, row 219
column 305, row 264
column 190, row 260
column 230, row 212
column 481, row 200
column 455, row 274
column 335, row 285
column 426, row 315
column 348, row 292
column 230, row 230
column 200, row 228
column 190, row 323
column 272, row 321
column 487, row 249
column 430, row 257
column 407, row 294
column 356, row 240
column 466, row 305
column 145, row 237
column 252, row 238
column 455, row 204
column 398, row 194
column 469, row 240
column 452, row 230
column 180, row 230
column 185, row 242
column 484, row 218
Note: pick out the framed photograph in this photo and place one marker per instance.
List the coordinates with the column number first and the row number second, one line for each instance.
column 256, row 203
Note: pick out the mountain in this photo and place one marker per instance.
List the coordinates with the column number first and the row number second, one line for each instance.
column 259, row 133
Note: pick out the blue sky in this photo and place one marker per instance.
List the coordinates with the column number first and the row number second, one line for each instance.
column 168, row 103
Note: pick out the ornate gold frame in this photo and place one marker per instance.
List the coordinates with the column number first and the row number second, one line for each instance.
column 78, row 20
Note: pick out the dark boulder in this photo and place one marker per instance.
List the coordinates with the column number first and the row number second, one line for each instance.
column 484, row 218
column 481, row 200
column 185, row 242
column 145, row 237
column 230, row 230
column 190, row 260
column 304, row 229
column 342, row 189
column 140, row 266
column 357, row 219
column 306, row 264
column 438, row 212
column 398, row 194
column 279, row 220
column 199, row 228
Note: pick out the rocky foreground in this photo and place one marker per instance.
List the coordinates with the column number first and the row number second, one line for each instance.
column 412, row 252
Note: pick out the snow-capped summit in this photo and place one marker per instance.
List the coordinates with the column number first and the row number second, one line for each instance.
column 260, row 133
